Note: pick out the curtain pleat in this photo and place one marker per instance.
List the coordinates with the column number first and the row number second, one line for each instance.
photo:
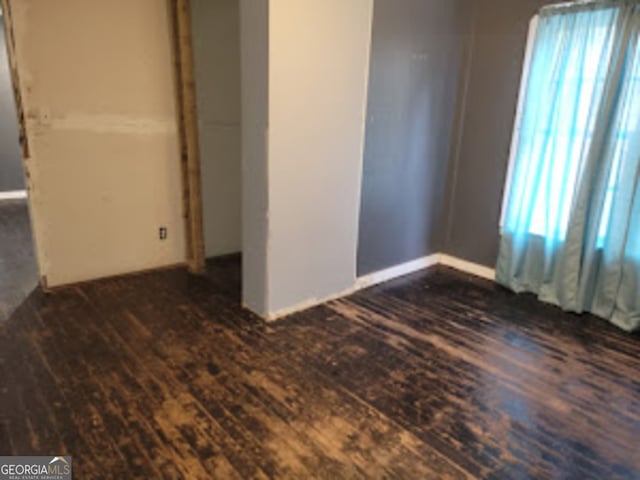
column 571, row 229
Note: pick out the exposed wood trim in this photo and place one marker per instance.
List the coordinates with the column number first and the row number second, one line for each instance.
column 180, row 15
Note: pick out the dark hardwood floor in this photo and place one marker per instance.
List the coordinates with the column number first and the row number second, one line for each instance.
column 18, row 271
column 436, row 375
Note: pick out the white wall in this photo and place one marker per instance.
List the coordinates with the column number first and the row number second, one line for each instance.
column 318, row 71
column 216, row 39
column 318, row 58
column 98, row 91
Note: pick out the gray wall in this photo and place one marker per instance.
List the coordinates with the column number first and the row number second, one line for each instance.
column 216, row 41
column 11, row 174
column 254, row 68
column 415, row 75
column 487, row 110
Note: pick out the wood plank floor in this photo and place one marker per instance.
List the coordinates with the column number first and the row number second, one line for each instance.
column 436, row 375
column 18, row 271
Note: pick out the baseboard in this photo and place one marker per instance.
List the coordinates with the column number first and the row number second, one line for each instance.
column 397, row 271
column 360, row 283
column 307, row 304
column 13, row 195
column 387, row 274
column 76, row 283
column 468, row 267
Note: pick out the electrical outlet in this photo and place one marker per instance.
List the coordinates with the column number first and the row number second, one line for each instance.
column 162, row 233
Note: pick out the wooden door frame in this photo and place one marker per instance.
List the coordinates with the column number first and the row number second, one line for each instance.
column 182, row 41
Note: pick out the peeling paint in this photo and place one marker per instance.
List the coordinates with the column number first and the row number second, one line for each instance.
column 101, row 121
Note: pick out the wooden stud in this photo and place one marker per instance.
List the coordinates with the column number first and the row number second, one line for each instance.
column 180, row 14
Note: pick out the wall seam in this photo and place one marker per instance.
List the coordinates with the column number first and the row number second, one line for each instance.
column 460, row 127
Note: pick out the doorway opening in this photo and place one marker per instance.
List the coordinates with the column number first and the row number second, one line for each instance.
column 216, row 48
column 18, row 267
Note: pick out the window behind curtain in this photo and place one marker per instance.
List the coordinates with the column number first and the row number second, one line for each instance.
column 559, row 105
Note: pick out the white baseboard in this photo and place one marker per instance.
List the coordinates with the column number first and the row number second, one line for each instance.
column 13, row 195
column 387, row 274
column 468, row 267
column 313, row 302
column 397, row 271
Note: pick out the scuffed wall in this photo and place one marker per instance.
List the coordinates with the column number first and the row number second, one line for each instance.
column 98, row 92
column 216, row 38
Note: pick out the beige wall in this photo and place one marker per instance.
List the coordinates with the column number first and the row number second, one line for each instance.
column 97, row 83
column 216, row 38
